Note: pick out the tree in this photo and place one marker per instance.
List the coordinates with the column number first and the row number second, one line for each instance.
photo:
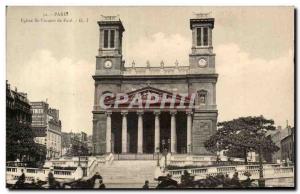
column 77, row 148
column 20, row 143
column 240, row 136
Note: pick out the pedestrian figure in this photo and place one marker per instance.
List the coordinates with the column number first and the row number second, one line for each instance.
column 21, row 180
column 227, row 180
column 102, row 185
column 146, row 185
column 51, row 180
column 229, row 160
column 22, row 177
column 96, row 176
column 169, row 175
column 218, row 160
column 248, row 181
column 99, row 184
column 235, row 180
column 186, row 178
column 95, row 180
column 220, row 178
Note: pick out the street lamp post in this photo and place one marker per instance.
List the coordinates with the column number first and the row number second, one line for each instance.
column 165, row 154
column 111, row 147
column 94, row 149
column 169, row 145
column 51, row 152
column 79, row 153
column 261, row 180
column 189, row 149
column 157, row 149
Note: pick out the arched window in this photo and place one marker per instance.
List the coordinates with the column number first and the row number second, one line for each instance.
column 202, row 97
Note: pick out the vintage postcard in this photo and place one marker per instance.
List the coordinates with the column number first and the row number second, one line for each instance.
column 150, row 97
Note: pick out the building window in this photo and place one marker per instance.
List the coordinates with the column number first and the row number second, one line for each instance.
column 105, row 38
column 202, row 36
column 109, row 39
column 205, row 36
column 198, row 36
column 112, row 39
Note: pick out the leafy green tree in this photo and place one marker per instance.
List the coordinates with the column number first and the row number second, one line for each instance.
column 240, row 136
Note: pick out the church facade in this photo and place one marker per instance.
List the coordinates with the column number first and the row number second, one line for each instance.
column 154, row 108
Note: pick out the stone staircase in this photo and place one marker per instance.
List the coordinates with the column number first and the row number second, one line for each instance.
column 128, row 173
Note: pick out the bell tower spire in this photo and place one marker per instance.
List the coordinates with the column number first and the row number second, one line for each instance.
column 202, row 58
column 109, row 59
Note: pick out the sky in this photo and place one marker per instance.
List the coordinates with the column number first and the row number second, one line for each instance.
column 254, row 49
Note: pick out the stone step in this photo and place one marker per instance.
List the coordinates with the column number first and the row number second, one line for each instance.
column 134, row 171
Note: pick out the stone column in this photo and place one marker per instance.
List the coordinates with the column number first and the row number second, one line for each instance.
column 117, row 34
column 210, row 36
column 194, row 35
column 201, row 29
column 124, row 132
column 189, row 131
column 173, row 132
column 157, row 132
column 108, row 132
column 140, row 132
column 101, row 39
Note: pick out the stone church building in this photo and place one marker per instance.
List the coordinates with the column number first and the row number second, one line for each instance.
column 176, row 129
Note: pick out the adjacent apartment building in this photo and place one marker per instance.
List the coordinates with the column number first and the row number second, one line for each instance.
column 277, row 136
column 47, row 127
column 281, row 137
column 72, row 140
column 18, row 123
column 287, row 146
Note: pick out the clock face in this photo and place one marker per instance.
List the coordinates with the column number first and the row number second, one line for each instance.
column 108, row 64
column 202, row 63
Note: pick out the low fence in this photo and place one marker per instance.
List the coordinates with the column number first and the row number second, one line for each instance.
column 195, row 160
column 13, row 173
column 90, row 166
column 71, row 168
column 270, row 171
column 21, row 164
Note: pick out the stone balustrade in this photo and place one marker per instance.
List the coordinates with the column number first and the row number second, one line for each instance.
column 134, row 156
column 190, row 160
column 13, row 173
column 169, row 70
column 269, row 171
column 90, row 164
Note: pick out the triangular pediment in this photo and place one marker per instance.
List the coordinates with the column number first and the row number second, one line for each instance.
column 149, row 92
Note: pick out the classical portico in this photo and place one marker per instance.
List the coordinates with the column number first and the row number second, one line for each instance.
column 179, row 127
column 142, row 132
column 141, row 139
